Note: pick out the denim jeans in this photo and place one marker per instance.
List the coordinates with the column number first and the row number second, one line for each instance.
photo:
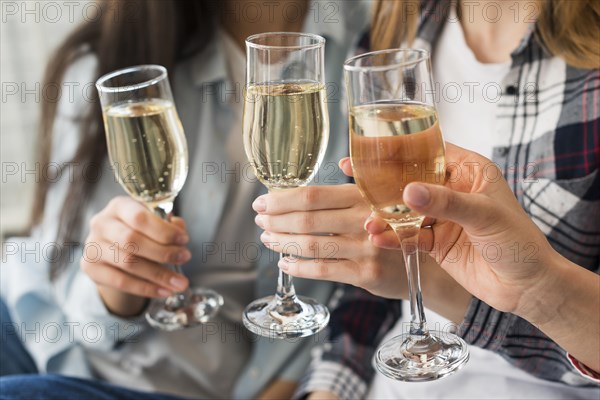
column 19, row 378
column 14, row 359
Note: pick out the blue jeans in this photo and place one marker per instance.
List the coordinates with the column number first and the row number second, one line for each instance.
column 14, row 359
column 57, row 387
column 19, row 377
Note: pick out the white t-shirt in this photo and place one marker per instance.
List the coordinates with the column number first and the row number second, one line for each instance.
column 467, row 117
column 466, row 90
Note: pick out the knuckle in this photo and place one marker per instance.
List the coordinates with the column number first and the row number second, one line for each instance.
column 149, row 290
column 160, row 275
column 128, row 236
column 167, row 256
column 267, row 223
column 312, row 246
column 322, row 270
column 119, row 282
column 127, row 263
column 310, row 195
column 139, row 218
column 306, row 221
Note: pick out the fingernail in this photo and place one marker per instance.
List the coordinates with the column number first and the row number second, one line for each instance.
column 417, row 195
column 163, row 292
column 182, row 239
column 260, row 205
column 367, row 223
column 259, row 220
column 370, row 238
column 264, row 237
column 182, row 257
column 283, row 265
column 178, row 283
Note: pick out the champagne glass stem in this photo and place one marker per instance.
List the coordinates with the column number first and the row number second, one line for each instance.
column 409, row 240
column 285, row 287
column 165, row 211
column 285, row 296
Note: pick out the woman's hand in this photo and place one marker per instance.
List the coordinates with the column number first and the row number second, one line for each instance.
column 132, row 243
column 482, row 237
column 327, row 225
column 479, row 233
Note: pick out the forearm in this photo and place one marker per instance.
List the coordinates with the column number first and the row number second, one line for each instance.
column 565, row 307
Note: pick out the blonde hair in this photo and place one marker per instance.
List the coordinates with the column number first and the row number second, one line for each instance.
column 568, row 29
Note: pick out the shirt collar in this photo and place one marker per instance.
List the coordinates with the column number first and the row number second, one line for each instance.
column 209, row 65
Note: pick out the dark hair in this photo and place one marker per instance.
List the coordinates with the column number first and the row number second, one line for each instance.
column 127, row 32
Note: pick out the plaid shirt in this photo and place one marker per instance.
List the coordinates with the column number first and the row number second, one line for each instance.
column 547, row 144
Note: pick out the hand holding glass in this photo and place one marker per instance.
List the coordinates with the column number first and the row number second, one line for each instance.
column 148, row 152
column 395, row 139
column 286, row 129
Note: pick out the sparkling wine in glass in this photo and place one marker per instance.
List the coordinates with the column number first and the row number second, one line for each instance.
column 395, row 139
column 148, row 152
column 286, row 130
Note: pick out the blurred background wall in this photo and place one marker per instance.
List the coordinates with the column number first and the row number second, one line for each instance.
column 29, row 32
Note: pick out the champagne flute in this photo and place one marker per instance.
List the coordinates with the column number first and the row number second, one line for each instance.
column 395, row 139
column 148, row 152
column 286, row 130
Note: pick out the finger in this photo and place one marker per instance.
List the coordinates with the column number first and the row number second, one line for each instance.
column 130, row 241
column 428, row 221
column 376, row 225
column 385, row 240
column 180, row 222
column 155, row 273
column 346, row 166
column 106, row 275
column 134, row 265
column 466, row 209
column 310, row 246
column 308, row 198
column 426, row 237
column 141, row 219
column 344, row 271
column 342, row 221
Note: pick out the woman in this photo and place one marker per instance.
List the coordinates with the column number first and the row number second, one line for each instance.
column 100, row 305
column 542, row 132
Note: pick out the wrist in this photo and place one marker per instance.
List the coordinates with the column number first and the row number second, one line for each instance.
column 540, row 299
column 121, row 304
column 549, row 299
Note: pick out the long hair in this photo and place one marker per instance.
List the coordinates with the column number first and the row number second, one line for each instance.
column 128, row 32
column 568, row 29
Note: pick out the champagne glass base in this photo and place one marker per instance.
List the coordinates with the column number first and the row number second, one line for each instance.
column 197, row 306
column 421, row 358
column 298, row 318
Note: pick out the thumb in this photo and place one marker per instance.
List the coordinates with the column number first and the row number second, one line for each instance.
column 346, row 166
column 466, row 209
